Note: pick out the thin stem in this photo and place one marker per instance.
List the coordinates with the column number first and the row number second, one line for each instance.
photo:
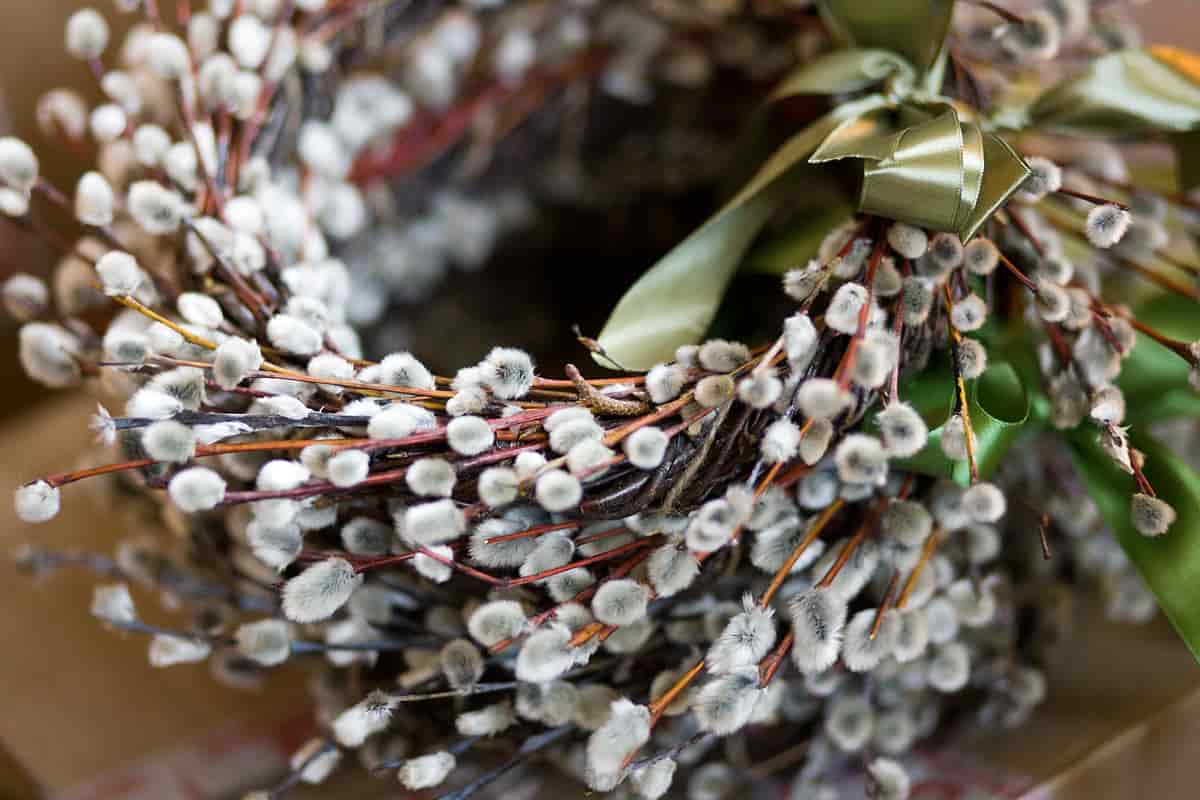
column 927, row 550
column 1090, row 198
column 785, row 568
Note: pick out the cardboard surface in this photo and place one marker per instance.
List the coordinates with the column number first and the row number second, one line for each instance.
column 87, row 718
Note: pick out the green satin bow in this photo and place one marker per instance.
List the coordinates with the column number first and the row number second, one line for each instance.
column 925, row 161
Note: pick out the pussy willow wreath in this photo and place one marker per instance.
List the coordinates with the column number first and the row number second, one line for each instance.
column 822, row 540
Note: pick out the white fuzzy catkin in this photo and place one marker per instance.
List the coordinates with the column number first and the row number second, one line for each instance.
column 969, row 313
column 912, row 635
column 508, row 372
column 545, row 655
column 907, row 521
column 620, row 602
column 760, row 389
column 267, row 641
column 365, row 718
column 746, row 640
column 861, row 458
column 235, row 359
column 780, row 441
column 671, row 569
column 646, row 447
column 293, row 335
column 433, row 523
column 398, row 421
column 167, row 650
column 425, row 772
column 497, row 486
column 18, row 164
column 366, row 537
column 845, row 307
column 887, row 780
column 849, row 722
column 862, row 652
column 1106, row 225
column 949, row 670
column 94, row 200
column 348, row 468
column 718, row 355
column 818, row 617
column 86, row 34
column 587, row 459
column 557, row 490
column 954, row 438
column 653, row 780
column 432, row 563
column 113, row 603
column 664, row 382
column 1151, row 516
column 167, row 440
column 711, row 526
column 319, row 591
column 196, row 489
column 903, row 431
column 37, row 502
column 496, row 621
column 469, row 436
column 486, row 721
column 626, row 730
column 726, row 703
column 119, row 273
column 984, row 502
column 199, row 309
column 823, row 398
column 155, row 208
column 281, row 475
column 907, row 240
column 981, row 256
column 461, row 663
column 714, row 390
column 431, row 477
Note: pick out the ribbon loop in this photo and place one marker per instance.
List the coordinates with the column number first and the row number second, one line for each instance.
column 1133, row 92
column 915, row 29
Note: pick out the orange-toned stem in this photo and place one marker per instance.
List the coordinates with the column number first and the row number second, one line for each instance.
column 851, row 546
column 927, row 551
column 960, row 388
column 770, row 664
column 785, row 569
column 888, row 595
column 660, row 705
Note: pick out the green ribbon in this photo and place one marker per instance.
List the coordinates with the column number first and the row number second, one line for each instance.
column 1000, row 412
column 1129, row 93
column 923, row 159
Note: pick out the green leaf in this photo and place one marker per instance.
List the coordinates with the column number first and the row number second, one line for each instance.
column 1154, row 379
column 673, row 303
column 999, row 408
column 1170, row 564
